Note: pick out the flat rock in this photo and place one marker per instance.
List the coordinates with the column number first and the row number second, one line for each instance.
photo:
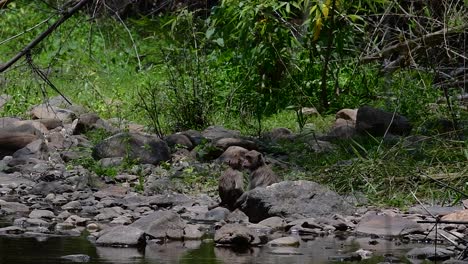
column 430, row 253
column 461, row 215
column 224, row 143
column 121, row 236
column 48, row 111
column 386, row 225
column 36, row 213
column 285, row 251
column 12, row 208
column 216, row 132
column 161, row 224
column 285, row 242
column 292, row 198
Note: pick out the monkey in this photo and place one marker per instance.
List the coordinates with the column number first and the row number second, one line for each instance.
column 231, row 185
column 261, row 174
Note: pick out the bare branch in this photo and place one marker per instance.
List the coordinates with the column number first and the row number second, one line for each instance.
column 66, row 15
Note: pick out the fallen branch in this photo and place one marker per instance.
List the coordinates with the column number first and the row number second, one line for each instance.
column 65, row 15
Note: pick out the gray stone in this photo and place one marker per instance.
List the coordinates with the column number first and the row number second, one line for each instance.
column 237, row 216
column 137, row 147
column 387, row 225
column 179, row 140
column 121, row 236
column 217, row 214
column 290, row 198
column 236, row 235
column 42, row 214
column 275, row 223
column 192, row 232
column 430, row 253
column 285, row 242
column 161, row 224
column 72, row 206
column 12, row 207
column 48, row 111
column 377, row 122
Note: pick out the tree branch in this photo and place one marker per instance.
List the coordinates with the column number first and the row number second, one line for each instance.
column 65, row 15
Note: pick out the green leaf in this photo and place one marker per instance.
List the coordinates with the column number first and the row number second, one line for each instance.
column 219, row 41
column 210, row 33
column 354, row 18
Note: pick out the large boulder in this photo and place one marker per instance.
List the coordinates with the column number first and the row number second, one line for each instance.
column 217, row 132
column 138, row 147
column 13, row 138
column 161, row 224
column 376, row 122
column 121, row 236
column 292, row 199
column 49, row 111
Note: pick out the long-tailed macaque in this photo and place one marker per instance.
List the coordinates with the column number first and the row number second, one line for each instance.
column 231, row 184
column 261, row 174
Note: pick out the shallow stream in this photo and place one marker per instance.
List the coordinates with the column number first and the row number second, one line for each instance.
column 331, row 249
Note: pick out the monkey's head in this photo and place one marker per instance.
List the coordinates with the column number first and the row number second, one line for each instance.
column 253, row 160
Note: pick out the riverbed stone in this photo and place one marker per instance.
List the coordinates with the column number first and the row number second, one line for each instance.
column 430, row 253
column 292, row 198
column 121, row 236
column 285, row 242
column 236, row 235
column 275, row 223
column 12, row 208
column 137, row 147
column 385, row 224
column 192, row 232
column 72, row 206
column 49, row 111
column 225, row 143
column 46, row 214
column 284, row 251
column 161, row 224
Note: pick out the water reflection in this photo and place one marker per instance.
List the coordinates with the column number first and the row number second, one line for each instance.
column 312, row 250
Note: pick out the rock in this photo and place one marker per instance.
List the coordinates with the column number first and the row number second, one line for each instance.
column 285, row 242
column 347, row 114
column 386, row 225
column 49, row 111
column 36, row 149
column 180, row 140
column 12, row 208
column 72, row 206
column 121, row 236
column 42, row 214
column 224, row 143
column 275, row 223
column 14, row 138
column 309, row 111
column 77, row 220
column 430, row 253
column 121, row 220
column 290, row 198
column 280, row 133
column 137, row 147
column 217, row 214
column 434, row 210
column 376, row 122
column 341, row 130
column 111, row 162
column 192, row 232
column 4, row 98
column 216, row 132
column 461, row 215
column 11, row 230
column 237, row 216
column 86, row 121
column 112, row 191
column 50, row 123
column 44, row 188
column 107, row 214
column 236, row 235
column 233, row 155
column 78, row 258
column 161, row 224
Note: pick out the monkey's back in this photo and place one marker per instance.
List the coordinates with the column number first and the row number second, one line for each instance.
column 230, row 187
column 262, row 177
